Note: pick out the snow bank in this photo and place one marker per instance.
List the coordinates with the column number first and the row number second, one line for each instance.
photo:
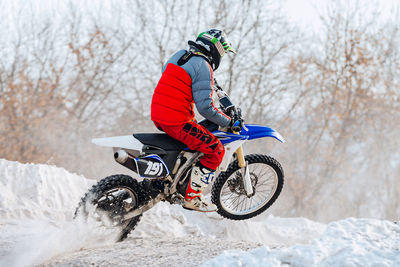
column 172, row 220
column 37, row 203
column 37, row 191
column 350, row 242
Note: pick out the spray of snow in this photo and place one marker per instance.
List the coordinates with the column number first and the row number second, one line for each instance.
column 37, row 203
column 38, row 241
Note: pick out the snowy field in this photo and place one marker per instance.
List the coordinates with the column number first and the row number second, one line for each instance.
column 36, row 228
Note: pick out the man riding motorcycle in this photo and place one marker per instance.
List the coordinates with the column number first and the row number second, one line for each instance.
column 187, row 79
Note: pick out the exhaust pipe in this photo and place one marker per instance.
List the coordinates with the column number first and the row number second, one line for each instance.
column 121, row 156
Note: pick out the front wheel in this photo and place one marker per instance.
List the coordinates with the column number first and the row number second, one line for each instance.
column 228, row 192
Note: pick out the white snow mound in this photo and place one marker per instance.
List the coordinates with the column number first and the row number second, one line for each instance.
column 350, row 242
column 173, row 220
column 38, row 191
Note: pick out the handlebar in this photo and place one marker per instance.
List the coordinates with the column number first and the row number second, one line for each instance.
column 228, row 107
column 231, row 110
column 237, row 116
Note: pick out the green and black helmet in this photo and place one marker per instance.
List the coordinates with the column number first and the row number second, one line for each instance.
column 214, row 44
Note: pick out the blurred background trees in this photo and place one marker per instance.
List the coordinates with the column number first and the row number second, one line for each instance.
column 90, row 71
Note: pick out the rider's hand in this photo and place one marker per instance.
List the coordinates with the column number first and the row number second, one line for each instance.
column 235, row 125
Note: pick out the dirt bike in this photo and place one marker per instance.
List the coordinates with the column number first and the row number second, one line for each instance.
column 245, row 187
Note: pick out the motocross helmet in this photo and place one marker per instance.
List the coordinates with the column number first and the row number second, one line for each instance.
column 214, row 44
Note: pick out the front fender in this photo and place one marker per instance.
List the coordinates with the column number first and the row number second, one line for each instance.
column 258, row 131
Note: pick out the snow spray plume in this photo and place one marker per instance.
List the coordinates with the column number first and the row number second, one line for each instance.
column 51, row 239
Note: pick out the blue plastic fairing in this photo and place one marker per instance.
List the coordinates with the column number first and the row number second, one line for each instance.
column 258, row 131
column 227, row 138
column 252, row 132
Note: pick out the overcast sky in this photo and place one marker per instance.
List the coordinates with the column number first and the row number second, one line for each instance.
column 306, row 13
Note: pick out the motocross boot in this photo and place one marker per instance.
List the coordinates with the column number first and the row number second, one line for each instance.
column 199, row 180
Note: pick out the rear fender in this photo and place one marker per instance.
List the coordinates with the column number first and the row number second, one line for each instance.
column 127, row 142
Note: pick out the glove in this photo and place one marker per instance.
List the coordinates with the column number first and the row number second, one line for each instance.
column 235, row 125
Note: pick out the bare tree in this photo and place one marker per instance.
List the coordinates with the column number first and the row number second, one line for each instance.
column 347, row 95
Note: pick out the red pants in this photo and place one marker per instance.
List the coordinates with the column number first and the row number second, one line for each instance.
column 198, row 138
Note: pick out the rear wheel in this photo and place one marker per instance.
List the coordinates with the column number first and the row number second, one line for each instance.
column 228, row 192
column 110, row 199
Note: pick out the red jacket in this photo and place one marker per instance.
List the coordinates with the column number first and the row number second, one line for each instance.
column 172, row 102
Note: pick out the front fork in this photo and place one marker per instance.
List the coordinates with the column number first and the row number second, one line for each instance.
column 244, row 166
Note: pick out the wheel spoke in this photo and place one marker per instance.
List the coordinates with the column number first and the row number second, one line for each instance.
column 230, row 198
column 235, row 208
column 259, row 191
column 233, row 198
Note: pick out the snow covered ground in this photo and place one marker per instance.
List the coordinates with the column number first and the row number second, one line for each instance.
column 36, row 228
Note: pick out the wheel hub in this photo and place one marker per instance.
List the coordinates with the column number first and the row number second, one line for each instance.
column 236, row 185
column 117, row 203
